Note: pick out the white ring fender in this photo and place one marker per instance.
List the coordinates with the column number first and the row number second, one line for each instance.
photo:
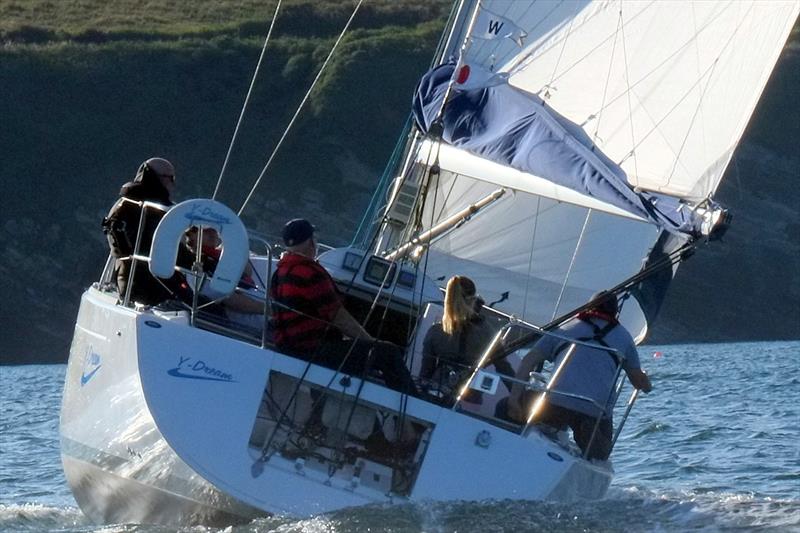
column 203, row 213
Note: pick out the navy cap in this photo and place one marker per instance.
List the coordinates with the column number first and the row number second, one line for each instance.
column 297, row 231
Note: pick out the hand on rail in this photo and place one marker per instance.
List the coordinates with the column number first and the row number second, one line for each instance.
column 640, row 380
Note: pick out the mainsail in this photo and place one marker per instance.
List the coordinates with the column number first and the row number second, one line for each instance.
column 642, row 105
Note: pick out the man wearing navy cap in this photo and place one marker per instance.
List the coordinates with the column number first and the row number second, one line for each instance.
column 309, row 319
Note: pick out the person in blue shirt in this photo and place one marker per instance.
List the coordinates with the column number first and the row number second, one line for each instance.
column 589, row 373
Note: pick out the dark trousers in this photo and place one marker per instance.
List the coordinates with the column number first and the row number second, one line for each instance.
column 361, row 357
column 146, row 288
column 582, row 426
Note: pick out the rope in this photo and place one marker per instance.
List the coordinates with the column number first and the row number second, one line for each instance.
column 246, row 101
column 571, row 263
column 523, row 60
column 299, row 108
column 608, row 77
column 673, row 258
column 526, row 61
column 530, row 257
column 710, row 72
column 561, row 52
column 630, row 107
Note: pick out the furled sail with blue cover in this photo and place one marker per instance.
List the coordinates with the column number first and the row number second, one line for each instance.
column 663, row 88
column 606, row 123
column 511, row 127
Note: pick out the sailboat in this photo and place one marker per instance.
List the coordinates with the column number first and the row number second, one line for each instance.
column 558, row 149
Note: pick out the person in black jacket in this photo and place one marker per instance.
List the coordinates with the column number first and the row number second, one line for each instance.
column 154, row 182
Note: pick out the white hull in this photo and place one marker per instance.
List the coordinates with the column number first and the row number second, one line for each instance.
column 117, row 463
column 161, row 423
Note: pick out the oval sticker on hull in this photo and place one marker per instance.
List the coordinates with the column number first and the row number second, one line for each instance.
column 555, row 456
column 152, row 323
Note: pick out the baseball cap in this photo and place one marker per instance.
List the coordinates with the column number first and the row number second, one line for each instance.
column 297, row 231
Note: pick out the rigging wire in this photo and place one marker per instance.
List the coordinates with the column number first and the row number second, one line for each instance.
column 370, row 357
column 561, row 52
column 706, row 73
column 680, row 49
column 530, row 258
column 710, row 72
column 671, row 259
column 484, row 52
column 524, row 60
column 427, row 256
column 630, row 106
column 266, row 448
column 521, row 63
column 608, row 78
column 424, row 276
column 246, row 101
column 369, row 215
column 299, row 108
column 704, row 132
column 444, row 43
column 571, row 262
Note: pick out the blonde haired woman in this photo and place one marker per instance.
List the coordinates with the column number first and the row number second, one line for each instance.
column 453, row 347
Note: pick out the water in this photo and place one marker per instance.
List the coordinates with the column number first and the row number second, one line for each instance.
column 715, row 447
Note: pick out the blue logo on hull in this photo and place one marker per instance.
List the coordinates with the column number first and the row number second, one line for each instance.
column 199, row 370
column 206, row 214
column 86, row 377
column 91, row 364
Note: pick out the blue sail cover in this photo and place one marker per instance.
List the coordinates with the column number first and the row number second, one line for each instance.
column 515, row 128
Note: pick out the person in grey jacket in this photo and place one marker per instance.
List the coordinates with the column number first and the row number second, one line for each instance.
column 589, row 373
column 454, row 346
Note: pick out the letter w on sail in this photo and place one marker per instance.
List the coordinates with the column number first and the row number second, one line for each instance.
column 491, row 26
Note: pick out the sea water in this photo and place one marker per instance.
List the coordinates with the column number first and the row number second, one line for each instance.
column 714, row 447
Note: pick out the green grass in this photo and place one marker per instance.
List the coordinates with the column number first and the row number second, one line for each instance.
column 79, row 116
column 93, row 87
column 37, row 21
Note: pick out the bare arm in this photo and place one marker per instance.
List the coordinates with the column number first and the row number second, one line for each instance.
column 350, row 326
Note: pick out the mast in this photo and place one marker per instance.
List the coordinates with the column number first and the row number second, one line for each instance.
column 626, row 93
column 397, row 221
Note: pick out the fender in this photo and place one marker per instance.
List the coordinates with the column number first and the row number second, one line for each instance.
column 203, row 213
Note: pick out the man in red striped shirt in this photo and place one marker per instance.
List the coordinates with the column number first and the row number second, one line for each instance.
column 309, row 319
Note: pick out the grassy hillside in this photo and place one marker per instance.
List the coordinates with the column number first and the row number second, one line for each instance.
column 80, row 116
column 91, row 88
column 28, row 21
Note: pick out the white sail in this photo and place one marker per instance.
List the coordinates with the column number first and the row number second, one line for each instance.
column 548, row 257
column 665, row 89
